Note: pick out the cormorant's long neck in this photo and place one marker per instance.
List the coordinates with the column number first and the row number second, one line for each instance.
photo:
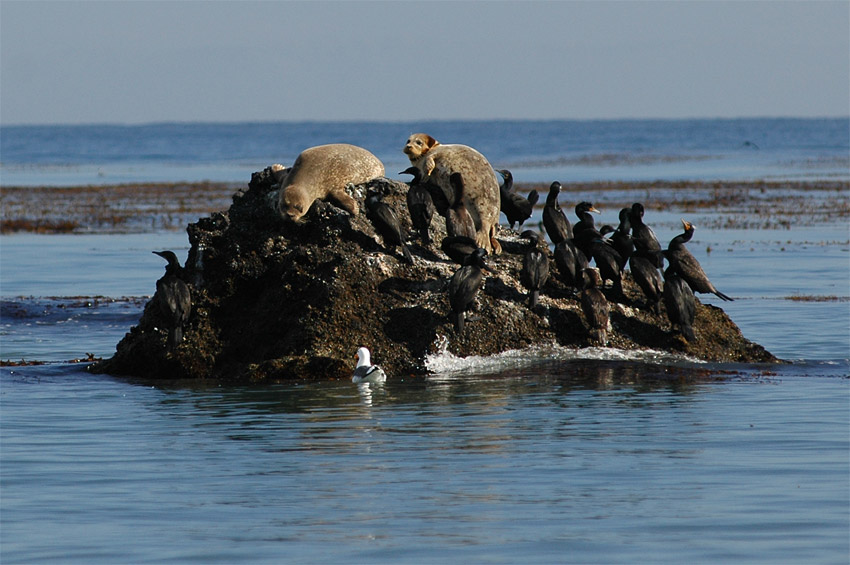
column 173, row 268
column 680, row 240
column 552, row 199
column 509, row 182
column 587, row 220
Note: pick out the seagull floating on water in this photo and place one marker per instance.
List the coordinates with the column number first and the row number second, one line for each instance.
column 365, row 372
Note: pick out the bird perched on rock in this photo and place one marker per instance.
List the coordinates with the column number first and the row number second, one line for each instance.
column 584, row 232
column 621, row 239
column 554, row 220
column 571, row 261
column 680, row 303
column 458, row 247
column 419, row 204
column 686, row 265
column 608, row 262
column 441, row 197
column 535, row 268
column 365, row 372
column 386, row 224
column 646, row 244
column 465, row 284
column 459, row 222
column 595, row 307
column 515, row 208
column 174, row 297
column 648, row 278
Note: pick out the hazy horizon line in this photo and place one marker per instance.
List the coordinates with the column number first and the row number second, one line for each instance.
column 414, row 121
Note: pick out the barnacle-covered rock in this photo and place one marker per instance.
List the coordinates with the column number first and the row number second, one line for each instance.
column 276, row 300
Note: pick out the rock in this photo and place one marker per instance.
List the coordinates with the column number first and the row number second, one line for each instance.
column 273, row 300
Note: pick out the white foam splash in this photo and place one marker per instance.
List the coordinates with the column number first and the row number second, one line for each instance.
column 446, row 363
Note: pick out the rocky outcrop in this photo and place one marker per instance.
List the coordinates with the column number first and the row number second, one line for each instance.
column 274, row 300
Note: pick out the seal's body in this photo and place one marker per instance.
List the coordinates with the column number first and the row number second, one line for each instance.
column 439, row 162
column 321, row 173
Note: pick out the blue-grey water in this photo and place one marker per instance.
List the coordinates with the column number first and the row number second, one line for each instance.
column 589, row 456
column 535, row 151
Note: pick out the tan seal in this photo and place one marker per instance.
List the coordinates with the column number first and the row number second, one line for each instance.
column 439, row 162
column 322, row 173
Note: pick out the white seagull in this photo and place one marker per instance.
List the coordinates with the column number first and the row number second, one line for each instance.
column 365, row 372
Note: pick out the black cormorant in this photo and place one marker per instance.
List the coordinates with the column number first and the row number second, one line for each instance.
column 571, row 261
column 595, row 307
column 419, row 204
column 458, row 247
column 554, row 220
column 607, row 260
column 386, row 224
column 646, row 244
column 442, row 198
column 621, row 239
column 687, row 266
column 680, row 303
column 535, row 267
column 458, row 219
column 584, row 231
column 175, row 300
column 516, row 208
column 648, row 278
column 465, row 284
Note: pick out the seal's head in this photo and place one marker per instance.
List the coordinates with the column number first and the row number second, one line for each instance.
column 292, row 204
column 418, row 145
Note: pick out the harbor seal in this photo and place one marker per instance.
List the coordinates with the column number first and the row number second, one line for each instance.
column 439, row 162
column 321, row 173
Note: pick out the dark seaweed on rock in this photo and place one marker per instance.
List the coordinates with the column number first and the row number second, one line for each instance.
column 273, row 300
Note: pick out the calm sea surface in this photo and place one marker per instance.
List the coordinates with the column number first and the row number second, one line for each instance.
column 540, row 456
column 535, row 151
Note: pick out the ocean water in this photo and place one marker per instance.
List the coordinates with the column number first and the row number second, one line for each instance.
column 539, row 456
column 535, row 151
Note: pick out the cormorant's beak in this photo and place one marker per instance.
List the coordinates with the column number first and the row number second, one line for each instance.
column 592, row 209
column 687, row 225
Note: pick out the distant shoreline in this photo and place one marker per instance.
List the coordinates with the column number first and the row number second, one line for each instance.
column 157, row 207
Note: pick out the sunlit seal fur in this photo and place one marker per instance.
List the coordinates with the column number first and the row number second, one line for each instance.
column 481, row 188
column 322, row 173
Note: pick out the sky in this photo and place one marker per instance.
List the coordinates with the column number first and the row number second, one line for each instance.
column 123, row 62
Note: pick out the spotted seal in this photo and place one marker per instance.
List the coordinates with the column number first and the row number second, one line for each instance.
column 321, row 173
column 439, row 162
